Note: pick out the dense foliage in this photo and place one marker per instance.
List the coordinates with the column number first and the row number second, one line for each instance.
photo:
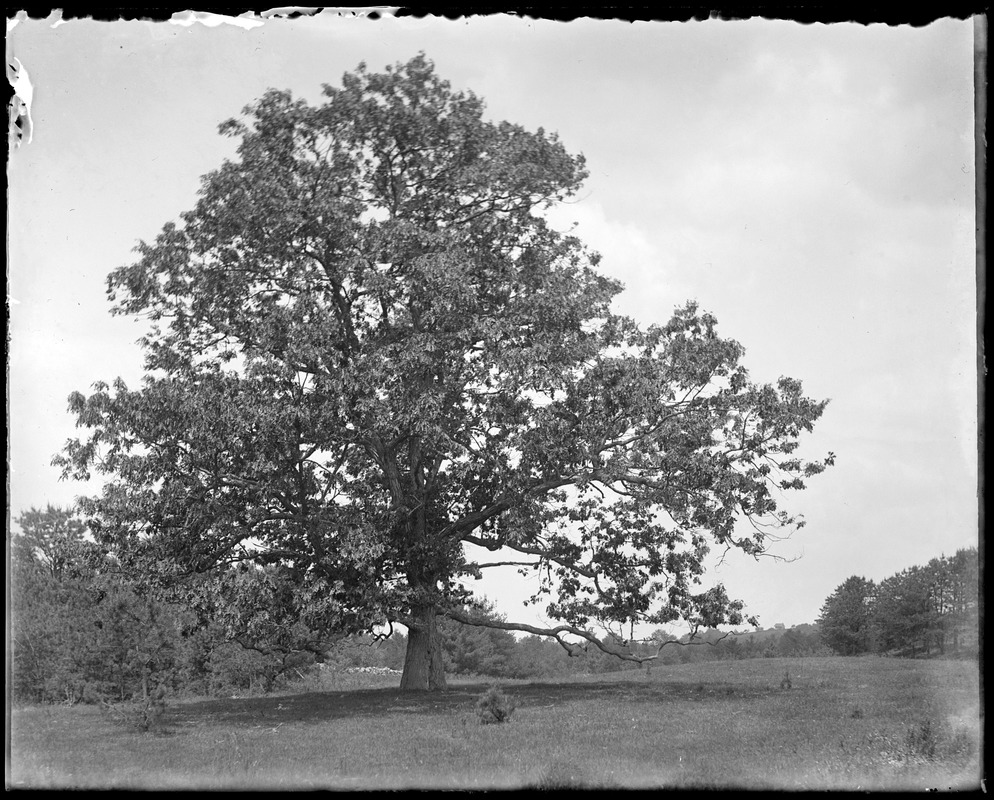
column 371, row 362
column 923, row 610
column 81, row 630
column 846, row 617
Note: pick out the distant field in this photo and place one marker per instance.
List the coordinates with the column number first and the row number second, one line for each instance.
column 843, row 723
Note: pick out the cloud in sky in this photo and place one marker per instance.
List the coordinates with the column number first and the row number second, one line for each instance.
column 811, row 185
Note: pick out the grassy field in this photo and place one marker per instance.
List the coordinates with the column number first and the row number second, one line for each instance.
column 838, row 723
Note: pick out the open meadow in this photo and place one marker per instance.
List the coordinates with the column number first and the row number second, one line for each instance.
column 813, row 723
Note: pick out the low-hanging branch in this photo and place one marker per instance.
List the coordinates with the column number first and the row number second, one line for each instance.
column 574, row 649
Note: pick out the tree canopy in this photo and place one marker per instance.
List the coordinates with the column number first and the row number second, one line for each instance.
column 921, row 610
column 370, row 360
column 846, row 617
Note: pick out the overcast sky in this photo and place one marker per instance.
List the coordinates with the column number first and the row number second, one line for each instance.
column 810, row 185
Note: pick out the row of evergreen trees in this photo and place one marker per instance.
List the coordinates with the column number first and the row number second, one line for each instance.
column 921, row 611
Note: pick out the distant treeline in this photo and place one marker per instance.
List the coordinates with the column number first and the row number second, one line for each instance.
column 497, row 653
column 930, row 610
column 794, row 642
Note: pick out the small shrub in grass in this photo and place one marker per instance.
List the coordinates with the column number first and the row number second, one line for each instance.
column 921, row 740
column 930, row 742
column 494, row 706
column 957, row 747
column 560, row 776
column 927, row 741
column 143, row 714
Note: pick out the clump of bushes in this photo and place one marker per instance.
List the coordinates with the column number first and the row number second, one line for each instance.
column 494, row 706
column 561, row 776
column 922, row 740
column 928, row 741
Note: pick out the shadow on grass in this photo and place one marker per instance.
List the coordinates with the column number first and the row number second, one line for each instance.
column 367, row 703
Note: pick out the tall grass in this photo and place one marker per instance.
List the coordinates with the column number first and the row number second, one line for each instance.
column 718, row 725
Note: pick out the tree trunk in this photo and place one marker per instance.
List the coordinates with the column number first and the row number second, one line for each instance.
column 424, row 669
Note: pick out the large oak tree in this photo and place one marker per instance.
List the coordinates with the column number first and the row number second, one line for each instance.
column 371, row 360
